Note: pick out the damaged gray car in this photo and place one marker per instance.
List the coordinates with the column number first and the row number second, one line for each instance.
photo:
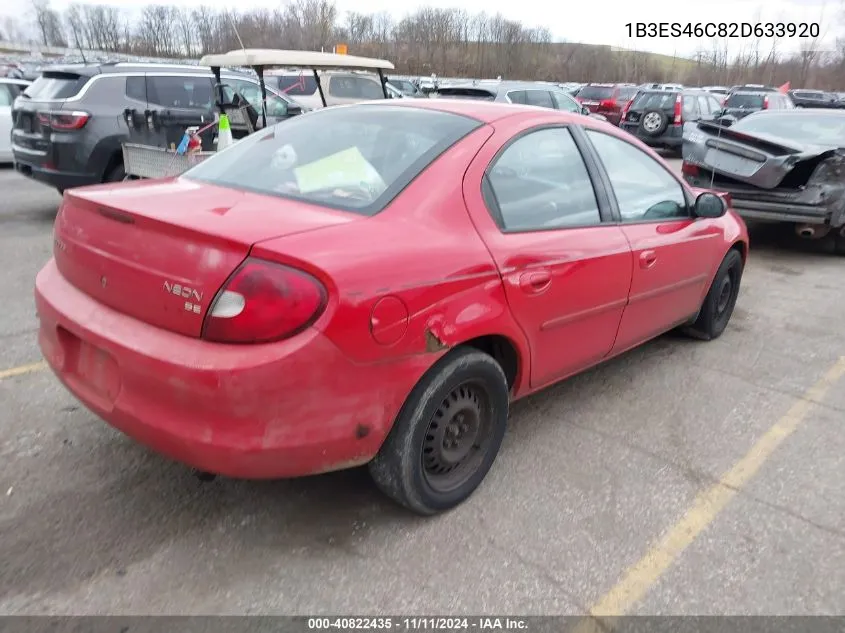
column 780, row 166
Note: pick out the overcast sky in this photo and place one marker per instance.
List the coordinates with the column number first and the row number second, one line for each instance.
column 602, row 21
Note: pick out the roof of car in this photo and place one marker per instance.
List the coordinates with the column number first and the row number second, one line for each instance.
column 499, row 86
column 134, row 67
column 485, row 111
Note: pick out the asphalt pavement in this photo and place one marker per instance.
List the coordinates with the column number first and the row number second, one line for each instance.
column 681, row 478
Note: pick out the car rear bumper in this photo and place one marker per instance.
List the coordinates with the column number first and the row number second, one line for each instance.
column 766, row 206
column 286, row 409
column 29, row 166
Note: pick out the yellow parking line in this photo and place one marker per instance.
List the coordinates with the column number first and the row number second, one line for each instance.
column 23, row 369
column 639, row 578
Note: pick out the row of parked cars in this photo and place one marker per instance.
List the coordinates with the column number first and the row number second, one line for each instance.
column 656, row 113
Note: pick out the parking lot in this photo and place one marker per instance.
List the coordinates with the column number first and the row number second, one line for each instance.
column 681, row 478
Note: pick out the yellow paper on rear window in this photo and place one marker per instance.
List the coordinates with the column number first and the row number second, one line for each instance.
column 345, row 168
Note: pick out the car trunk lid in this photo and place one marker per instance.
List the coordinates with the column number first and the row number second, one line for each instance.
column 762, row 162
column 159, row 251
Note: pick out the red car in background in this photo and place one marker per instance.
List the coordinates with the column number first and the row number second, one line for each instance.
column 374, row 284
column 608, row 100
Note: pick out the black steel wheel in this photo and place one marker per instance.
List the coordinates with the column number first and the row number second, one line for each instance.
column 447, row 434
column 719, row 303
column 457, row 437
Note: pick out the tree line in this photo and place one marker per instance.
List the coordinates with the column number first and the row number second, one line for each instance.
column 446, row 42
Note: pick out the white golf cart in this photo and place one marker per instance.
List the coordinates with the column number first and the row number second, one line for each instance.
column 143, row 160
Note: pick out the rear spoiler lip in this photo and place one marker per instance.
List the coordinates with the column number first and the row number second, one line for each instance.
column 729, row 134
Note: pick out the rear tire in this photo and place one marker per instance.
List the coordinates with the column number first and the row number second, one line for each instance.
column 447, row 434
column 719, row 303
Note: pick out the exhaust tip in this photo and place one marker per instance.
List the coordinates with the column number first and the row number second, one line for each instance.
column 806, row 232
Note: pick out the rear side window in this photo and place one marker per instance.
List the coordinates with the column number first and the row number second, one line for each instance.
column 354, row 159
column 180, row 92
column 654, row 101
column 56, row 85
column 136, row 88
column 298, row 84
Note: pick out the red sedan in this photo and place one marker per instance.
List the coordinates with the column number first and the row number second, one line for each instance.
column 374, row 284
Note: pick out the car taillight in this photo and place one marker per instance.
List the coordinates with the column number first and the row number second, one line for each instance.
column 626, row 108
column 765, row 103
column 678, row 117
column 688, row 169
column 63, row 120
column 262, row 302
column 607, row 104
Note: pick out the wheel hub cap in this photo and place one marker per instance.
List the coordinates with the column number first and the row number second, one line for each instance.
column 456, row 437
column 651, row 122
column 724, row 295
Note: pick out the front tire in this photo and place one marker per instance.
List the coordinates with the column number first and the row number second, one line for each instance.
column 447, row 434
column 719, row 303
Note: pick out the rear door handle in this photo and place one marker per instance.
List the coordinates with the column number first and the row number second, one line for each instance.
column 535, row 281
column 648, row 259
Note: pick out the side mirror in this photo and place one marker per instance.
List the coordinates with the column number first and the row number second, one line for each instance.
column 585, row 110
column 709, row 205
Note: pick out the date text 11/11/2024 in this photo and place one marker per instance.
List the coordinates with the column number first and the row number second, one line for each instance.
column 420, row 623
column 806, row 30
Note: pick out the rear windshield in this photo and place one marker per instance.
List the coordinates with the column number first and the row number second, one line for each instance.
column 739, row 100
column 298, row 84
column 596, row 93
column 809, row 95
column 56, row 85
column 654, row 100
column 355, row 158
column 823, row 128
column 467, row 93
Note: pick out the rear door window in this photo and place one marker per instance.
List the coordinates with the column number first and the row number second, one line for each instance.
column 540, row 98
column 540, row 182
column 517, row 96
column 136, row 88
column 52, row 85
column 180, row 92
column 565, row 102
column 703, row 105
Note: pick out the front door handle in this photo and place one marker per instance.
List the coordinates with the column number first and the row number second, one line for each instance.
column 535, row 281
column 648, row 259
